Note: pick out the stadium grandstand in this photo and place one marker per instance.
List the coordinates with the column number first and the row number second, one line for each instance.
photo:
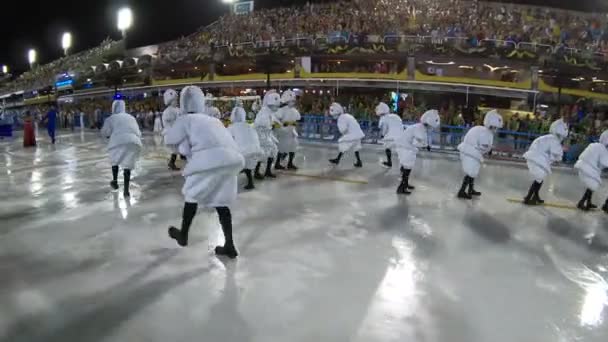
column 534, row 63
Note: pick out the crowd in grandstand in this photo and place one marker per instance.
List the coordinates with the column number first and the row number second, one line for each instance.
column 358, row 21
column 369, row 20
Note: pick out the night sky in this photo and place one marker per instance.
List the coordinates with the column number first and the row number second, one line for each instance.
column 40, row 23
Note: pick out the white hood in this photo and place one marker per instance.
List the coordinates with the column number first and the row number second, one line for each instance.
column 119, row 106
column 170, row 97
column 238, row 115
column 192, row 100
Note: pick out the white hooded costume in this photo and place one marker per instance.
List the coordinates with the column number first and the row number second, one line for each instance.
column 477, row 142
column 265, row 121
column 210, row 109
column 546, row 150
column 214, row 161
column 349, row 129
column 391, row 125
column 125, row 137
column 246, row 138
column 288, row 116
column 171, row 113
column 415, row 137
column 591, row 163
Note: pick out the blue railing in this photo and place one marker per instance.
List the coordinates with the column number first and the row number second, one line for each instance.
column 508, row 143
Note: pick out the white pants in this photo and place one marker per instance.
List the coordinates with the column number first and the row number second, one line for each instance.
column 470, row 165
column 125, row 156
column 591, row 183
column 288, row 139
column 346, row 146
column 537, row 172
column 407, row 158
column 212, row 188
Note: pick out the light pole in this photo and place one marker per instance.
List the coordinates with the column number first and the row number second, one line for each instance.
column 66, row 42
column 31, row 57
column 125, row 20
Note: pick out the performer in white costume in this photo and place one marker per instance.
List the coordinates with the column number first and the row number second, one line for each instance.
column 210, row 109
column 125, row 143
column 408, row 143
column 590, row 165
column 543, row 152
column 351, row 134
column 212, row 169
column 288, row 116
column 247, row 140
column 171, row 114
column 264, row 122
column 477, row 142
column 391, row 128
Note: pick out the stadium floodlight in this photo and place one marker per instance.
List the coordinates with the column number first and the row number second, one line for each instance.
column 5, row 69
column 228, row 1
column 66, row 42
column 125, row 20
column 31, row 57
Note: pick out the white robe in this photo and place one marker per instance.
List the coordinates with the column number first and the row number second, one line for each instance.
column 158, row 126
column 214, row 161
column 477, row 142
column 170, row 115
column 590, row 165
column 247, row 140
column 351, row 133
column 125, row 140
column 543, row 152
column 408, row 143
column 391, row 127
column 263, row 125
column 287, row 133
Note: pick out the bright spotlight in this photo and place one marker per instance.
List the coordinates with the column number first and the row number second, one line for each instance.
column 31, row 56
column 125, row 19
column 5, row 69
column 228, row 1
column 66, row 42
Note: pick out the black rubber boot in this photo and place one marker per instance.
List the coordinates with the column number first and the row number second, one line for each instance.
column 530, row 197
column 408, row 172
column 290, row 164
column 404, row 187
column 337, row 159
column 389, row 159
column 605, row 207
column 277, row 164
column 585, row 202
column 228, row 248
column 358, row 163
column 171, row 164
column 463, row 189
column 472, row 191
column 258, row 175
column 181, row 236
column 127, row 178
column 114, row 182
column 269, row 173
column 536, row 195
column 250, row 185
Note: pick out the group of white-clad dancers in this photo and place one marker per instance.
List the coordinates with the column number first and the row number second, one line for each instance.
column 216, row 155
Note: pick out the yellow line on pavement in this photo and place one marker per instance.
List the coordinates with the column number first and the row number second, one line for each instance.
column 330, row 178
column 549, row 205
